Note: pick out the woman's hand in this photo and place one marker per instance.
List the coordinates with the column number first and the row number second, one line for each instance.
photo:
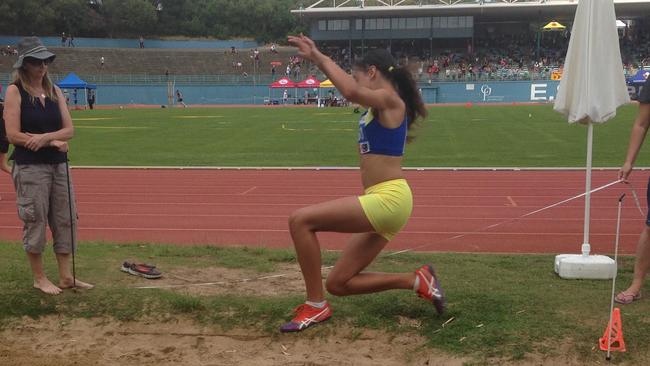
column 37, row 141
column 306, row 48
column 62, row 146
column 4, row 166
column 624, row 172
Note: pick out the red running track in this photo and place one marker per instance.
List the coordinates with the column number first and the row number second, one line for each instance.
column 251, row 207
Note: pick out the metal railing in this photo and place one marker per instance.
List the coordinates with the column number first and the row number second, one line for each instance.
column 262, row 80
column 401, row 3
column 139, row 79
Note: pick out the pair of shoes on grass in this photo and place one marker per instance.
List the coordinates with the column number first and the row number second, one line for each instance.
column 141, row 269
column 428, row 289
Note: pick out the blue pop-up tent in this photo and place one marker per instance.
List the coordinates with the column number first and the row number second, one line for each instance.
column 640, row 77
column 637, row 81
column 72, row 81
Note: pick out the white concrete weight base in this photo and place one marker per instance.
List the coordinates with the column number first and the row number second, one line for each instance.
column 578, row 266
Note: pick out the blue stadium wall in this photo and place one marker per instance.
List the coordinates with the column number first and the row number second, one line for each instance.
column 482, row 92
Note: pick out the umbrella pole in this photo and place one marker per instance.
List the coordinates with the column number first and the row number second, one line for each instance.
column 586, row 248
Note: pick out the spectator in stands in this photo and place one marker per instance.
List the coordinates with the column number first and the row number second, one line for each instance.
column 233, row 50
column 141, row 42
column 256, row 56
column 273, row 72
column 288, row 70
column 274, row 48
column 296, row 72
column 435, row 70
column 101, row 62
column 38, row 125
column 64, row 39
column 179, row 98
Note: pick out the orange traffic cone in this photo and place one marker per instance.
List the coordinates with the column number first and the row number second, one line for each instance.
column 613, row 334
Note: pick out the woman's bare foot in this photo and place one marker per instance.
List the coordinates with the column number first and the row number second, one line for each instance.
column 46, row 286
column 69, row 283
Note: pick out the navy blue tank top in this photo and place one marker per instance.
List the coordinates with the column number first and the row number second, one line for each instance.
column 377, row 139
column 36, row 118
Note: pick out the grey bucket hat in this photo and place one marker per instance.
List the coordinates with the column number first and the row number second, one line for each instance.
column 32, row 47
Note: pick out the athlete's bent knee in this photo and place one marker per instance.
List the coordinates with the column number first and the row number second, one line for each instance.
column 336, row 287
column 298, row 220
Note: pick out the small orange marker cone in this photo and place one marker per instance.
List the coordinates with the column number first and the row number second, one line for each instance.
column 613, row 334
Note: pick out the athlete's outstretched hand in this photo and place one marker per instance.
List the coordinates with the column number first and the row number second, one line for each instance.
column 306, row 47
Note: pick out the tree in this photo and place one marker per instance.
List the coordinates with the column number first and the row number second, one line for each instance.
column 26, row 17
column 128, row 17
column 71, row 16
column 264, row 20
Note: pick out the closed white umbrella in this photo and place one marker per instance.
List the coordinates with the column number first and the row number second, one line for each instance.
column 593, row 83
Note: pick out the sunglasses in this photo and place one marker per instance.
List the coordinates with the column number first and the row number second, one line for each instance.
column 36, row 62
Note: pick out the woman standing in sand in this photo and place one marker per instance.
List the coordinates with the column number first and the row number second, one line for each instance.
column 39, row 125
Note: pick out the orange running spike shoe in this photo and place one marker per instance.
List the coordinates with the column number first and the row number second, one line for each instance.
column 306, row 316
column 430, row 289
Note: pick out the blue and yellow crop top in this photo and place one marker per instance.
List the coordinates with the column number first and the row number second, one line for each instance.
column 377, row 139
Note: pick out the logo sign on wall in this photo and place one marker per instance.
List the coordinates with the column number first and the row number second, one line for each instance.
column 486, row 92
column 540, row 92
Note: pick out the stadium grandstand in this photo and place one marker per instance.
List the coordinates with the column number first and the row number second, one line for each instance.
column 467, row 39
column 200, row 65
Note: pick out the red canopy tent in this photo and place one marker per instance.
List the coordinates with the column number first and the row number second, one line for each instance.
column 310, row 82
column 282, row 83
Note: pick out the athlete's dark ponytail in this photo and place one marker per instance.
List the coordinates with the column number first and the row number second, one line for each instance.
column 402, row 80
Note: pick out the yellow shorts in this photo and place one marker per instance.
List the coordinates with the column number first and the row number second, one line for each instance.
column 388, row 206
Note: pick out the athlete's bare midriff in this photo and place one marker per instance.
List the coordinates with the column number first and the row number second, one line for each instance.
column 380, row 168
